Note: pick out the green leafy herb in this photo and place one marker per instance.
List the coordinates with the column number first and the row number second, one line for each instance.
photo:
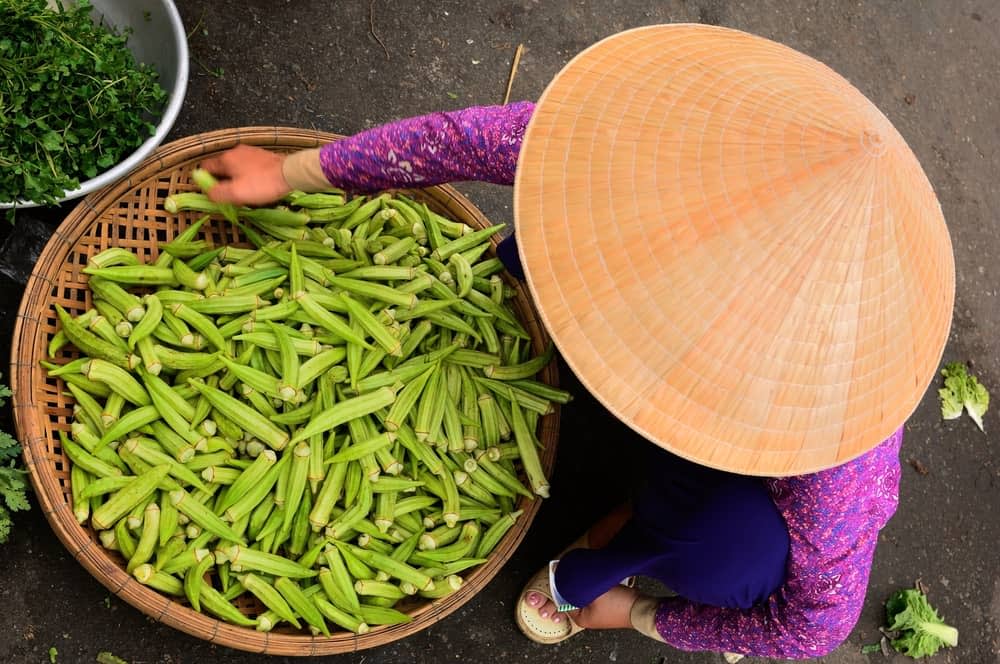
column 962, row 390
column 108, row 658
column 52, row 655
column 920, row 631
column 871, row 648
column 73, row 101
column 12, row 482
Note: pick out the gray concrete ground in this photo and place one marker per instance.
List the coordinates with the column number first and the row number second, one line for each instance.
column 931, row 66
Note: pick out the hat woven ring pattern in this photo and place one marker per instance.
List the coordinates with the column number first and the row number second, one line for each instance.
column 734, row 249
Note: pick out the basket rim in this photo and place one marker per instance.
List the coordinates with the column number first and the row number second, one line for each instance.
column 29, row 345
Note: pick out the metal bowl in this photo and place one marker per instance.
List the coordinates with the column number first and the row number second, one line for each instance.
column 158, row 39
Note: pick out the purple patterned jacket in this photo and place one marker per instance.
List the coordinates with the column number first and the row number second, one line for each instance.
column 833, row 517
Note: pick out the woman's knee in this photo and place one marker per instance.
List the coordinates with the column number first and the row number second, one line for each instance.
column 735, row 548
column 748, row 562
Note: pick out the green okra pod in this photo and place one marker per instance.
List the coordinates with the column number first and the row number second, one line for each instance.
column 148, row 539
column 89, row 462
column 113, row 256
column 117, row 379
column 80, row 481
column 253, row 494
column 302, row 604
column 134, row 275
column 147, row 575
column 329, row 494
column 203, row 516
column 245, row 417
column 144, row 327
column 345, row 411
column 359, row 449
column 217, row 604
column 461, row 548
column 189, row 278
column 128, row 304
column 147, row 450
column 298, row 473
column 373, row 326
column 168, row 519
column 122, row 327
column 194, row 579
column 201, row 323
column 376, row 615
column 337, row 581
column 394, row 568
column 93, row 345
column 340, row 617
column 141, row 488
column 373, row 588
column 495, row 533
column 269, row 596
column 406, row 400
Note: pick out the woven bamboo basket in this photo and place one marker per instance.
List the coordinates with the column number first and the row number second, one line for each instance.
column 129, row 214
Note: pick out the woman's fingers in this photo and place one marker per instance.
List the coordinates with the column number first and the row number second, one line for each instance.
column 216, row 165
column 222, row 165
column 250, row 176
column 237, row 160
column 225, row 192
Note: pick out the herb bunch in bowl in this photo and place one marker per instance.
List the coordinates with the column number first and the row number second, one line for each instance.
column 73, row 100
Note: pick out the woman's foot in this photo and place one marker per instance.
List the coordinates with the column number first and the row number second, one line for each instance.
column 536, row 613
column 542, row 625
column 611, row 610
column 545, row 607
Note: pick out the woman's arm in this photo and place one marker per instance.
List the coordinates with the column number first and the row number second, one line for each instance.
column 833, row 518
column 479, row 143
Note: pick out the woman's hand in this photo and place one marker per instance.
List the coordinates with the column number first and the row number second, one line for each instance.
column 248, row 176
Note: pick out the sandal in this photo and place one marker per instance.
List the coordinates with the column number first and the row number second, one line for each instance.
column 543, row 630
column 539, row 629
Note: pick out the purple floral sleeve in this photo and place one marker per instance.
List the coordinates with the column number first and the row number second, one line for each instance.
column 833, row 518
column 479, row 143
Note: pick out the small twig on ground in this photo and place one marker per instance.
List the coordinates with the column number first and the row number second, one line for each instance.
column 218, row 72
column 371, row 28
column 310, row 86
column 201, row 19
column 513, row 71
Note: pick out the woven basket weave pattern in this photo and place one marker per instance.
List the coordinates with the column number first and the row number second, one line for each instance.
column 130, row 215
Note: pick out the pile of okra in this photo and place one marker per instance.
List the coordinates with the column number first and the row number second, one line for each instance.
column 331, row 421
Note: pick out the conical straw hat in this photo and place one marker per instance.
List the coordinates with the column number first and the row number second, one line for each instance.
column 733, row 249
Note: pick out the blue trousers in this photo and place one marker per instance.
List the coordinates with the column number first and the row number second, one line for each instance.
column 712, row 537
